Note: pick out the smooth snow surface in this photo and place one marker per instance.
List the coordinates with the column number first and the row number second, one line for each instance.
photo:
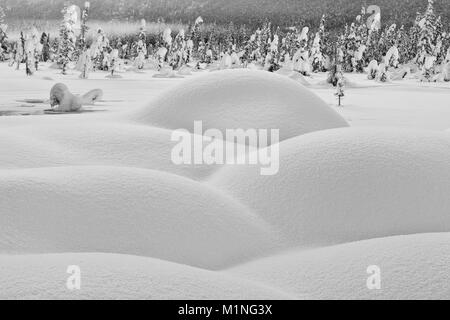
column 411, row 267
column 241, row 99
column 98, row 189
column 44, row 143
column 346, row 185
column 125, row 210
column 111, row 276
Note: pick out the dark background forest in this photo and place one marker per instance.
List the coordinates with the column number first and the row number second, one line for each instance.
column 250, row 12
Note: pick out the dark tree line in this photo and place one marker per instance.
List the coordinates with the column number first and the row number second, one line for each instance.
column 249, row 12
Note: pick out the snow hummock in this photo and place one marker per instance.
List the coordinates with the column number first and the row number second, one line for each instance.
column 347, row 185
column 129, row 211
column 241, row 99
column 113, row 276
column 97, row 189
column 411, row 267
column 35, row 143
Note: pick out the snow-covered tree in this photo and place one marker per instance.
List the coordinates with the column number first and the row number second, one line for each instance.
column 428, row 35
column 336, row 71
column 383, row 75
column 3, row 35
column 45, row 42
column 392, row 57
column 273, row 56
column 372, row 70
column 373, row 40
column 85, row 63
column 67, row 39
column 317, row 55
column 179, row 51
column 81, row 44
column 26, row 54
column 301, row 60
column 195, row 34
column 340, row 88
column 114, row 63
column 99, row 50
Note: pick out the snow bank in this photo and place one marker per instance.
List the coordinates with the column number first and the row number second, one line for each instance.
column 106, row 276
column 345, row 185
column 125, row 210
column 20, row 150
column 411, row 267
column 241, row 99
column 95, row 143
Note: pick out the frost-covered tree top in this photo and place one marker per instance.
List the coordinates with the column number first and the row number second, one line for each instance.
column 3, row 26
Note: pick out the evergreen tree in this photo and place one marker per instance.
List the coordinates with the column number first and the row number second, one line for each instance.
column 84, row 28
column 67, row 40
column 340, row 89
column 26, row 54
column 45, row 42
column 3, row 36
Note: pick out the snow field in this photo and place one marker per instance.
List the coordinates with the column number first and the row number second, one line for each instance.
column 103, row 182
column 240, row 99
column 112, row 276
column 346, row 185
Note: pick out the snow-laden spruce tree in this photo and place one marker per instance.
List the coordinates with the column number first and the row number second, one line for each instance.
column 178, row 53
column 67, row 39
column 273, row 56
column 404, row 45
column 372, row 70
column 301, row 61
column 45, row 42
column 100, row 49
column 336, row 71
column 383, row 74
column 165, row 47
column 428, row 45
column 83, row 54
column 3, row 35
column 340, row 88
column 85, row 63
column 81, row 44
column 349, row 48
column 140, row 46
column 317, row 55
column 392, row 57
column 361, row 42
column 195, row 33
column 27, row 55
column 373, row 40
column 325, row 40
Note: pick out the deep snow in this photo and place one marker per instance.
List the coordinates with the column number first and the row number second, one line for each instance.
column 241, row 99
column 350, row 184
column 102, row 181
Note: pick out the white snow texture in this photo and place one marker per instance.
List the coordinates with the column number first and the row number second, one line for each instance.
column 100, row 191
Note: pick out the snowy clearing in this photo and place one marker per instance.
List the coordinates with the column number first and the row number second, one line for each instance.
column 98, row 189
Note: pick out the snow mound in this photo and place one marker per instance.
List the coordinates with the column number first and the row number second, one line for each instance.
column 23, row 151
column 346, row 185
column 241, row 99
column 111, row 277
column 93, row 143
column 125, row 210
column 411, row 267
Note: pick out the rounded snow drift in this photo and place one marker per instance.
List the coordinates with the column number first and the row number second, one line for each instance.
column 112, row 276
column 126, row 211
column 413, row 267
column 346, row 185
column 241, row 99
